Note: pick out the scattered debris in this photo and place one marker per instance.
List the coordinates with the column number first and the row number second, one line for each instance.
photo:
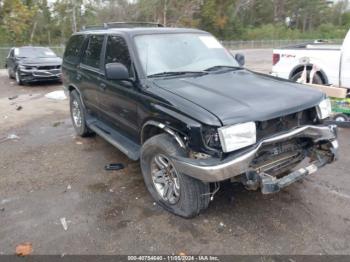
column 13, row 97
column 56, row 124
column 79, row 143
column 64, row 223
column 222, row 224
column 56, row 95
column 113, row 167
column 182, row 254
column 9, row 137
column 19, row 108
column 69, row 187
column 111, row 190
column 24, row 249
column 5, row 117
column 154, row 203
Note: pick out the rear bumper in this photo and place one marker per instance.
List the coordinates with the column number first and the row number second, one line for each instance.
column 215, row 170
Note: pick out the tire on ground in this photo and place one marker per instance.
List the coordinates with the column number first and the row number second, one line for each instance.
column 194, row 194
column 81, row 130
column 341, row 118
column 18, row 77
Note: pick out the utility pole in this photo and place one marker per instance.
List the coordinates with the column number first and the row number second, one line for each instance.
column 165, row 11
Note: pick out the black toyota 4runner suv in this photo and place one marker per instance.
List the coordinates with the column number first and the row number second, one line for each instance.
column 179, row 102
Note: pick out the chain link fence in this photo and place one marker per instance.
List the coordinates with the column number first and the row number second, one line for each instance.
column 232, row 45
column 265, row 44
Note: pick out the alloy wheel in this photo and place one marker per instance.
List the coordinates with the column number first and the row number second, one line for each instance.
column 165, row 179
column 76, row 113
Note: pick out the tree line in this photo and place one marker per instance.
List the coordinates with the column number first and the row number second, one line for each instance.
column 52, row 22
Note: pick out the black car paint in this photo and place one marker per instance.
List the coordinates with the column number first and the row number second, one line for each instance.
column 241, row 96
column 13, row 62
column 187, row 105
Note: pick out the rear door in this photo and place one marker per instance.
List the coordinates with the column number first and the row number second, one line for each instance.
column 119, row 99
column 90, row 73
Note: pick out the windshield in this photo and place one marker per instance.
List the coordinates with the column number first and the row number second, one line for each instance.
column 161, row 53
column 34, row 52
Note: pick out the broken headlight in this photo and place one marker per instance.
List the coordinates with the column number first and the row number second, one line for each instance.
column 324, row 109
column 237, row 136
column 211, row 137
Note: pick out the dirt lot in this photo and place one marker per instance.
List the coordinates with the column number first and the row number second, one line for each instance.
column 49, row 173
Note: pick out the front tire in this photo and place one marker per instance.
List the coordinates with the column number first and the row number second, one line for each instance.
column 78, row 116
column 18, row 77
column 178, row 193
column 341, row 118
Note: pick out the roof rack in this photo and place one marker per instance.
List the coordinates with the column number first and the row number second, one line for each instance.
column 121, row 25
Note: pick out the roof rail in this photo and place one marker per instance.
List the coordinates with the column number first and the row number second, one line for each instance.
column 121, row 25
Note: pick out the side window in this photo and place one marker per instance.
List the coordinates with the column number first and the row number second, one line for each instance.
column 73, row 48
column 117, row 52
column 92, row 53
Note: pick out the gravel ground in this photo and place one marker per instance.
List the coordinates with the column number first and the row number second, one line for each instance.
column 49, row 173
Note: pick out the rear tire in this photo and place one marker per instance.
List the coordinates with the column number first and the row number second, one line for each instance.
column 317, row 78
column 190, row 196
column 78, row 115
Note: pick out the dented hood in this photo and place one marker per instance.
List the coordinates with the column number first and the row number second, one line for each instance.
column 242, row 95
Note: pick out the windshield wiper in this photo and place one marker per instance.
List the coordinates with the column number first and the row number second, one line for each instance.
column 221, row 67
column 174, row 73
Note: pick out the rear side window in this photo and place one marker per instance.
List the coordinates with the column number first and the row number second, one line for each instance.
column 73, row 48
column 117, row 52
column 92, row 54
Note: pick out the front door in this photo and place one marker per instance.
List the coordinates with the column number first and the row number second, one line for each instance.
column 119, row 99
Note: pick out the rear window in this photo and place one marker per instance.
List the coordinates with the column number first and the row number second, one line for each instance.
column 73, row 48
column 92, row 54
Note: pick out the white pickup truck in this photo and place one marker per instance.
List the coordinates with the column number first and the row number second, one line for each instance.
column 332, row 62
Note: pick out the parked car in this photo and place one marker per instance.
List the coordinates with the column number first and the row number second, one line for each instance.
column 33, row 64
column 332, row 62
column 178, row 102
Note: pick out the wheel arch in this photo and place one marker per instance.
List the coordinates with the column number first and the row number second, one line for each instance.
column 300, row 68
column 153, row 127
column 71, row 88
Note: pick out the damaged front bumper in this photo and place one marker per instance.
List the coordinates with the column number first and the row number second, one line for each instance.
column 40, row 75
column 215, row 170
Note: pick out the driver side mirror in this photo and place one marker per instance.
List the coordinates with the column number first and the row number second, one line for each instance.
column 240, row 58
column 116, row 71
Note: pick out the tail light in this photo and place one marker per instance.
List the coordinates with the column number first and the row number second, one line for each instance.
column 275, row 58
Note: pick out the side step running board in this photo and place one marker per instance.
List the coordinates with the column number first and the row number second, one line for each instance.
column 123, row 143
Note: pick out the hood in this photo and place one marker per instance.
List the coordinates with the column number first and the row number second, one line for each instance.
column 242, row 96
column 47, row 61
